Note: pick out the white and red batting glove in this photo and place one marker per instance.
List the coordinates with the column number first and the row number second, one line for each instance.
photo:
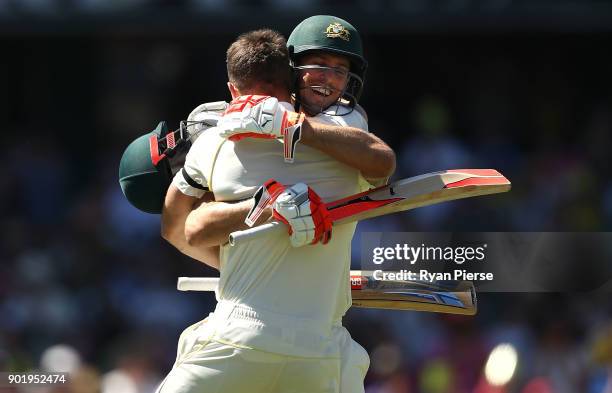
column 262, row 117
column 299, row 207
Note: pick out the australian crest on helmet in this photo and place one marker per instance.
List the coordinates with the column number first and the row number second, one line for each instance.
column 336, row 30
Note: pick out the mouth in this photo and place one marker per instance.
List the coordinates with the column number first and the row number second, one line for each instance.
column 322, row 91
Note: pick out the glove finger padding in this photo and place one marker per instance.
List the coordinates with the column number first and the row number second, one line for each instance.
column 304, row 212
column 264, row 197
column 292, row 201
column 262, row 117
column 251, row 117
column 268, row 116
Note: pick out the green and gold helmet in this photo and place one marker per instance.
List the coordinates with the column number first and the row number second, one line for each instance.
column 148, row 165
column 331, row 34
column 143, row 181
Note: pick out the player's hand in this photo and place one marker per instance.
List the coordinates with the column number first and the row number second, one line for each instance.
column 304, row 212
column 299, row 207
column 262, row 117
column 257, row 117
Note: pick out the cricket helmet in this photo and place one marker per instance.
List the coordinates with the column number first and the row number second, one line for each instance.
column 145, row 171
column 331, row 34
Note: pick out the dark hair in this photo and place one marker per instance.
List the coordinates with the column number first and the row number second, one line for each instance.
column 259, row 57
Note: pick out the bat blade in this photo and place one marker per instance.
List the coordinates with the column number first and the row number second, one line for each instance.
column 406, row 194
column 418, row 191
column 448, row 297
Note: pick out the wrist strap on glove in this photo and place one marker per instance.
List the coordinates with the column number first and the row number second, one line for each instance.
column 321, row 218
column 292, row 133
column 264, row 197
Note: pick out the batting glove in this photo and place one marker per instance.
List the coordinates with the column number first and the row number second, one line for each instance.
column 299, row 207
column 262, row 117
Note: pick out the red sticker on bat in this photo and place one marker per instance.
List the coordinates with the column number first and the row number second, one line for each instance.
column 358, row 282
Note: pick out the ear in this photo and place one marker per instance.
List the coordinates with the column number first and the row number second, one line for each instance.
column 233, row 90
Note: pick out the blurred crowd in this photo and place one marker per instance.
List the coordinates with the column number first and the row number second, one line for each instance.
column 86, row 280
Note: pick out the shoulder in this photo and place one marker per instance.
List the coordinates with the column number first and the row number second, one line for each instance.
column 193, row 178
column 362, row 112
column 345, row 117
column 205, row 143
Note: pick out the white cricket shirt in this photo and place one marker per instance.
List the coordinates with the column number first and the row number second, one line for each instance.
column 285, row 299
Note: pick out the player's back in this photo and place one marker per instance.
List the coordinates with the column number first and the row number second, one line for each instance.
column 293, row 295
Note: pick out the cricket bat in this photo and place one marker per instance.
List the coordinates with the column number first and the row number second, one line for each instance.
column 448, row 297
column 406, row 194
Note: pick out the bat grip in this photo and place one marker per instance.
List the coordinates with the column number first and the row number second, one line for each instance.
column 197, row 283
column 240, row 237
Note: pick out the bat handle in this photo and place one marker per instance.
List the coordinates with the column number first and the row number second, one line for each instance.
column 197, row 283
column 240, row 237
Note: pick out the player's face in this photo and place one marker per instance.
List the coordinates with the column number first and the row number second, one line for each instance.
column 323, row 79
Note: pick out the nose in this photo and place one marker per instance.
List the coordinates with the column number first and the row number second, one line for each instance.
column 320, row 76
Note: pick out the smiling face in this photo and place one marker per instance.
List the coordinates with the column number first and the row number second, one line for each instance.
column 322, row 77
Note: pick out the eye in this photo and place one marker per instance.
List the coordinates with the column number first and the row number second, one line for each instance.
column 340, row 72
column 314, row 67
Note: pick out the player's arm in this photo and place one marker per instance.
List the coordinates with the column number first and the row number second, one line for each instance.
column 177, row 207
column 210, row 224
column 299, row 207
column 266, row 118
column 358, row 149
column 179, row 203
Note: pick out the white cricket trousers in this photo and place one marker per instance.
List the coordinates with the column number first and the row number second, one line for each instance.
column 354, row 362
column 220, row 368
column 209, row 366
